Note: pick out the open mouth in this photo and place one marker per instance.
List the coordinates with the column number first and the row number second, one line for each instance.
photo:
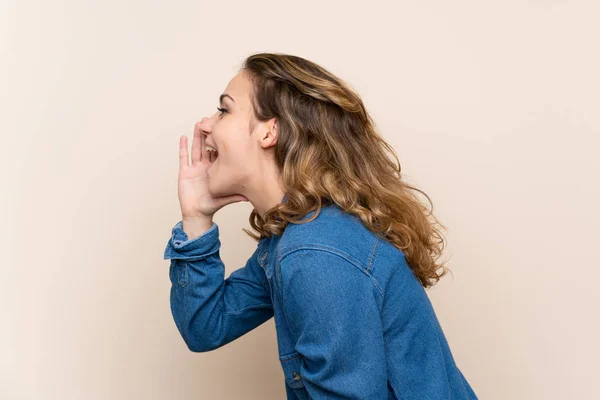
column 212, row 153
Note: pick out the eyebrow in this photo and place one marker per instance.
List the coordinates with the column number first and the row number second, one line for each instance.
column 221, row 97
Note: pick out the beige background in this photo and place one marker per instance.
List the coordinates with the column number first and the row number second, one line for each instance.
column 492, row 107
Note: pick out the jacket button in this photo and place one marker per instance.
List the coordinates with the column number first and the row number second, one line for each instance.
column 296, row 377
column 263, row 257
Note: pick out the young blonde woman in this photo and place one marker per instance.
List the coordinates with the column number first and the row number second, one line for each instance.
column 345, row 248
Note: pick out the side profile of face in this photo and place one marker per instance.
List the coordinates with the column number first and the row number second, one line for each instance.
column 245, row 158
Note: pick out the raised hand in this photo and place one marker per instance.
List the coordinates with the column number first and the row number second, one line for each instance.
column 194, row 198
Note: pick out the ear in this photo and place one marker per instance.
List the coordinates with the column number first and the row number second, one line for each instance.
column 270, row 135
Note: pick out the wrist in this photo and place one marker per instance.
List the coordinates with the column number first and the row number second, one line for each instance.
column 196, row 226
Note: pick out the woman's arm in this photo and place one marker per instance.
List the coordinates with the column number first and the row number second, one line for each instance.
column 211, row 311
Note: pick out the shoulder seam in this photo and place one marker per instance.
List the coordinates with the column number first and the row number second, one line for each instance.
column 372, row 254
column 324, row 248
column 338, row 253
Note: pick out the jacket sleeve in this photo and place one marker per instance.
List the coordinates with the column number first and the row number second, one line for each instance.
column 211, row 311
column 331, row 306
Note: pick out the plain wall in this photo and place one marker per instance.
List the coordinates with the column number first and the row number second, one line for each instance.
column 491, row 106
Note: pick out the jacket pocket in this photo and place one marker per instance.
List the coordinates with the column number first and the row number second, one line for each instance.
column 291, row 370
column 182, row 273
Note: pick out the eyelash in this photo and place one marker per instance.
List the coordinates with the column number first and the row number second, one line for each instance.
column 223, row 110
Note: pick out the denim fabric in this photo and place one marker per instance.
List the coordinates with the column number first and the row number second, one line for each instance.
column 352, row 320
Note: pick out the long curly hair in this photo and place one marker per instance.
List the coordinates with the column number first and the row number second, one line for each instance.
column 329, row 152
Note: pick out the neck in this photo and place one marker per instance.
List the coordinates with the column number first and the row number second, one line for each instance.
column 267, row 193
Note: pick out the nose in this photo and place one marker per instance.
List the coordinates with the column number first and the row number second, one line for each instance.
column 204, row 126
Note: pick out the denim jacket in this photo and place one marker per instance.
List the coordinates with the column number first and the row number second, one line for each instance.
column 352, row 320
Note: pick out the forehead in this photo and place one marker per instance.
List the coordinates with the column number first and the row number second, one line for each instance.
column 239, row 88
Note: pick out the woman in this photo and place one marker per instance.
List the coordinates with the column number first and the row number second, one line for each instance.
column 345, row 249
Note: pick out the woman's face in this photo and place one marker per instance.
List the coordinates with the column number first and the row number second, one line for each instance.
column 241, row 153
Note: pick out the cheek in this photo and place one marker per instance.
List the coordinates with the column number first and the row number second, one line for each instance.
column 236, row 151
column 234, row 143
column 240, row 163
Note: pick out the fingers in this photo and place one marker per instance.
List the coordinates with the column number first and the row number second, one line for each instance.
column 197, row 144
column 199, row 152
column 200, row 136
column 205, row 154
column 183, row 153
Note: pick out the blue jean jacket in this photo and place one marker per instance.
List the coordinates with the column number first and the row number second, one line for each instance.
column 352, row 320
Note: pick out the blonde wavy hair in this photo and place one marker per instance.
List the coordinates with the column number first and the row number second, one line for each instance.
column 329, row 152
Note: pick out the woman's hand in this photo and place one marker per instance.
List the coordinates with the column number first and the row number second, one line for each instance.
column 194, row 199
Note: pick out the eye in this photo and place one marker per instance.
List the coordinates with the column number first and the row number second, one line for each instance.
column 223, row 110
